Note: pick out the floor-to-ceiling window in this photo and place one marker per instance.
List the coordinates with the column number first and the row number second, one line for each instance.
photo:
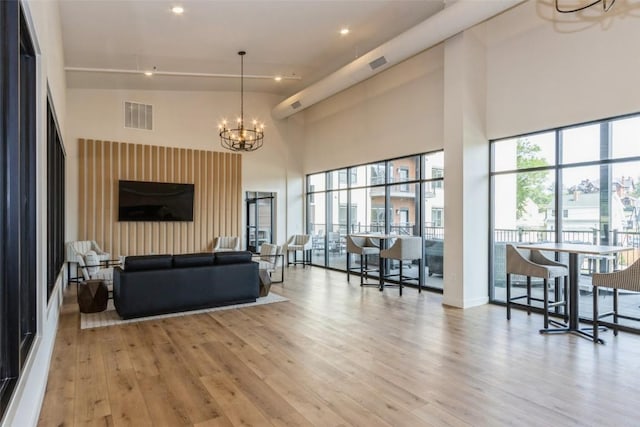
column 18, row 204
column 402, row 196
column 55, row 199
column 578, row 184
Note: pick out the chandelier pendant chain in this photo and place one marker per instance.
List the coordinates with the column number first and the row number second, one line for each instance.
column 241, row 53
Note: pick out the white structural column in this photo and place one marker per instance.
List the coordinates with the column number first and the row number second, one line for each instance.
column 466, row 153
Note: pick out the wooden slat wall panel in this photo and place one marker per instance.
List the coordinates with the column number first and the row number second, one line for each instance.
column 217, row 197
column 155, row 226
column 209, row 190
column 108, row 196
column 89, row 191
column 115, row 168
column 99, row 211
column 82, row 161
column 133, row 226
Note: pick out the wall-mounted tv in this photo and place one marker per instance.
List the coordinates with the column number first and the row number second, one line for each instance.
column 154, row 201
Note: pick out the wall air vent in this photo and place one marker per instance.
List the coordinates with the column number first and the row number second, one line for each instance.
column 377, row 62
column 296, row 105
column 138, row 116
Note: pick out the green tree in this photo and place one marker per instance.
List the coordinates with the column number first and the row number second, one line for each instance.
column 531, row 185
column 636, row 190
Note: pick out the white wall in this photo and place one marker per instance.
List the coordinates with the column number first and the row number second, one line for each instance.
column 542, row 74
column 188, row 120
column 44, row 24
column 397, row 112
column 466, row 156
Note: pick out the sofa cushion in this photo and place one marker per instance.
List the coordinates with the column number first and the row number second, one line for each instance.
column 148, row 262
column 232, row 257
column 192, row 260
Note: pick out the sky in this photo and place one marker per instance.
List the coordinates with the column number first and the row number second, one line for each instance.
column 582, row 144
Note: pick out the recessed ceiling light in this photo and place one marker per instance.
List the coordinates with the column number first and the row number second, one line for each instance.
column 344, row 31
column 148, row 73
column 277, row 78
column 178, row 10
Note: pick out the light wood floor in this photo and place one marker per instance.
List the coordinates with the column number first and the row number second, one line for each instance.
column 337, row 354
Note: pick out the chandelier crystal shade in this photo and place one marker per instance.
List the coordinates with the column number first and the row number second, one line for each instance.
column 241, row 138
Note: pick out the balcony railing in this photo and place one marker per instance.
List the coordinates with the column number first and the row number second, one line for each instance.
column 594, row 236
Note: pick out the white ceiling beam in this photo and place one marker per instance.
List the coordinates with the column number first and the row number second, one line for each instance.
column 455, row 18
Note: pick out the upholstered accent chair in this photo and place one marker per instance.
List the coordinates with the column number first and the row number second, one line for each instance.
column 364, row 247
column 533, row 263
column 303, row 243
column 628, row 280
column 77, row 253
column 226, row 243
column 405, row 248
column 270, row 259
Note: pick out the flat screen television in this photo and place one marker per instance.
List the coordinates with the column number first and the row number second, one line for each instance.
column 154, row 201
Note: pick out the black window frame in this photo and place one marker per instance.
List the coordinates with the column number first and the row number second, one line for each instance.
column 379, row 176
column 18, row 269
column 55, row 199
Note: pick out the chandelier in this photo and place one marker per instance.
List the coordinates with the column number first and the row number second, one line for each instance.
column 241, row 138
column 606, row 6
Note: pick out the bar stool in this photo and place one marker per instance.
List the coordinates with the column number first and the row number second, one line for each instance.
column 532, row 263
column 627, row 279
column 404, row 248
column 300, row 242
column 364, row 247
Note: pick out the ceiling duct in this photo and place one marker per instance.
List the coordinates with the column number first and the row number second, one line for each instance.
column 376, row 63
column 454, row 19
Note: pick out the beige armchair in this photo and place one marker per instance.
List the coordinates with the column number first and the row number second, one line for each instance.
column 300, row 242
column 628, row 280
column 270, row 259
column 76, row 253
column 404, row 248
column 226, row 243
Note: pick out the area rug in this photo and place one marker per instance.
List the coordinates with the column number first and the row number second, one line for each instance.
column 109, row 317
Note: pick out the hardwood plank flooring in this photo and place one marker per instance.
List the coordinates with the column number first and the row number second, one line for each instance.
column 337, row 354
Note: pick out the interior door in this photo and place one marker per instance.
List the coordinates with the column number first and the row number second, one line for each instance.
column 260, row 219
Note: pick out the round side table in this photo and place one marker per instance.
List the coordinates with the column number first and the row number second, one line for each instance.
column 93, row 296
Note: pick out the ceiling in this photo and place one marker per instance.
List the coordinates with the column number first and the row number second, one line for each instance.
column 296, row 39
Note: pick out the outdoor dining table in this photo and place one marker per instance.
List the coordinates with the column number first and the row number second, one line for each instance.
column 575, row 250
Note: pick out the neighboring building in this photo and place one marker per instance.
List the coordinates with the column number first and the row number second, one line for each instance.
column 581, row 207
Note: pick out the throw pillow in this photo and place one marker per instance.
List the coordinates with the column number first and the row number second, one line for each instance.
column 91, row 260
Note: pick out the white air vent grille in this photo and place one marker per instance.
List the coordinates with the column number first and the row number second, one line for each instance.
column 378, row 62
column 138, row 116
